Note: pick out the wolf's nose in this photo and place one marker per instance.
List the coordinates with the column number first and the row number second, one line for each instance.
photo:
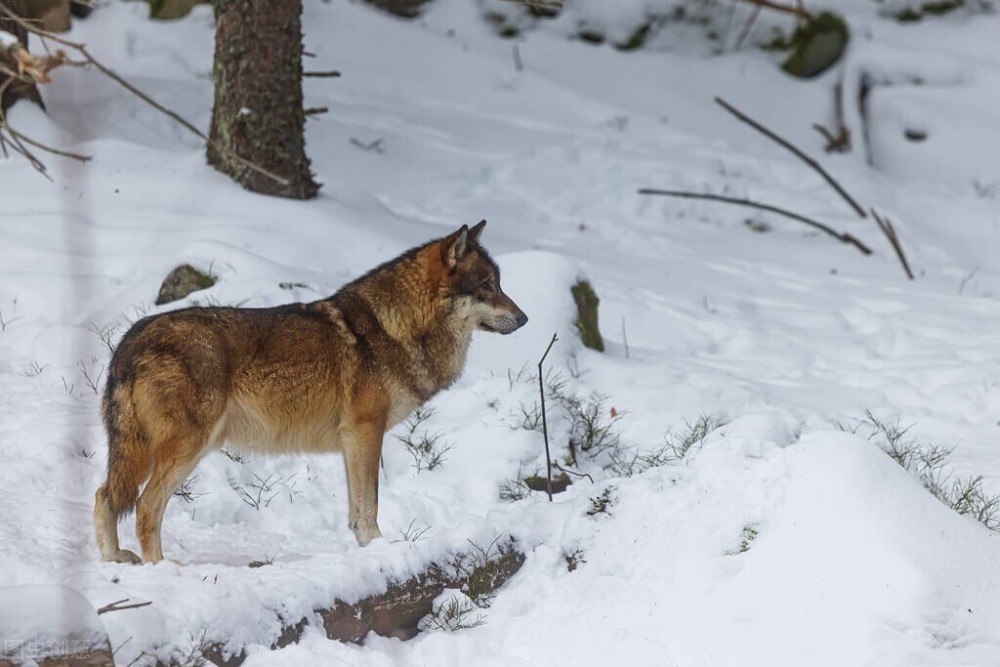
column 522, row 319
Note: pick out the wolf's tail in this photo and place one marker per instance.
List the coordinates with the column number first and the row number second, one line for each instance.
column 128, row 446
column 128, row 465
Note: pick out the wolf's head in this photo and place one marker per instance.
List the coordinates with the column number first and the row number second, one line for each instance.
column 472, row 283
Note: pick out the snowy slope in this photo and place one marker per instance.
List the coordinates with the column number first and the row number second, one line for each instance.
column 782, row 540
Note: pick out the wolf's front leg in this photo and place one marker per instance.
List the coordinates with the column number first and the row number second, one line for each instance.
column 362, row 453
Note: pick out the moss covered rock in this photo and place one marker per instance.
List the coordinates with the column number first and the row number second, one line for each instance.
column 560, row 483
column 817, row 46
column 167, row 10
column 182, row 281
column 586, row 318
column 637, row 39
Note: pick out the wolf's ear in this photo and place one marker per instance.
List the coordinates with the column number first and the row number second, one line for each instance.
column 454, row 246
column 476, row 231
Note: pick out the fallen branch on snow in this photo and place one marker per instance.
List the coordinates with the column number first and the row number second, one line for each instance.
column 890, row 233
column 843, row 237
column 119, row 606
column 796, row 10
column 884, row 224
column 796, row 151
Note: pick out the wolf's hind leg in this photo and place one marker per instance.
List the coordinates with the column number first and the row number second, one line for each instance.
column 169, row 472
column 106, row 529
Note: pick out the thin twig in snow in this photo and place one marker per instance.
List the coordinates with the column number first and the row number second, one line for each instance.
column 625, row 339
column 754, row 13
column 890, row 233
column 118, row 606
column 796, row 151
column 967, row 278
column 545, row 425
column 843, row 237
column 798, row 10
column 572, row 472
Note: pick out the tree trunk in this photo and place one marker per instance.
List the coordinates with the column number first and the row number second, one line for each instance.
column 258, row 112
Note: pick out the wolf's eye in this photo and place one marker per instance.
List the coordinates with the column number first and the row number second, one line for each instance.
column 486, row 285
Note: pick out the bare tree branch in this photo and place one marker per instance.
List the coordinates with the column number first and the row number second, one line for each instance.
column 798, row 153
column 90, row 60
column 118, row 606
column 572, row 472
column 545, row 424
column 797, row 10
column 549, row 5
column 24, row 69
column 47, row 149
column 20, row 148
column 890, row 233
column 843, row 237
column 754, row 13
column 838, row 140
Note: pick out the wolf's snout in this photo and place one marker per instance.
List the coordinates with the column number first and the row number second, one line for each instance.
column 513, row 322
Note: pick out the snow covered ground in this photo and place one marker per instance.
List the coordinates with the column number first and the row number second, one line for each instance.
column 780, row 540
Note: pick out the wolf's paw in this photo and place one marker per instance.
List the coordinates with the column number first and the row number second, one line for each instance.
column 125, row 556
column 366, row 534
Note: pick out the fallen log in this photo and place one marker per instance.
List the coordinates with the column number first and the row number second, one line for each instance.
column 397, row 612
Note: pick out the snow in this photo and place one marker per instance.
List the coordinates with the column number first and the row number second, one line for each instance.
column 781, row 540
column 7, row 40
column 44, row 620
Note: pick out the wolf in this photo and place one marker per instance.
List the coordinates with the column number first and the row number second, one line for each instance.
column 329, row 375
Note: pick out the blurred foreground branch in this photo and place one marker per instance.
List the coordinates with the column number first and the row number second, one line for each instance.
column 20, row 69
column 36, row 70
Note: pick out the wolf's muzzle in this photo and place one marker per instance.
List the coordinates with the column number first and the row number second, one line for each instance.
column 511, row 323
